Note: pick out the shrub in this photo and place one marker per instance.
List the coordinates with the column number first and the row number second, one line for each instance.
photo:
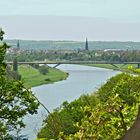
column 43, row 69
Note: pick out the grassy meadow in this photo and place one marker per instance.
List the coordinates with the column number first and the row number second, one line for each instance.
column 32, row 77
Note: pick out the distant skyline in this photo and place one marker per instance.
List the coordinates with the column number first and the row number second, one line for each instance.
column 71, row 19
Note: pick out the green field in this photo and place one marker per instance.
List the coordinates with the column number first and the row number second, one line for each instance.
column 32, row 77
column 108, row 66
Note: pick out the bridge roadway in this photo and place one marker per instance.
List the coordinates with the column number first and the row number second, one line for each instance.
column 74, row 62
column 78, row 62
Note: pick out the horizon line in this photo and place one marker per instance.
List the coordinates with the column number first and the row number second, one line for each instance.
column 68, row 40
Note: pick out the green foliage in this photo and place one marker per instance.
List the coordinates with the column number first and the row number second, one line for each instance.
column 15, row 73
column 135, row 71
column 36, row 66
column 43, row 69
column 1, row 34
column 3, row 48
column 10, row 74
column 106, row 115
column 15, row 100
column 15, row 65
column 63, row 119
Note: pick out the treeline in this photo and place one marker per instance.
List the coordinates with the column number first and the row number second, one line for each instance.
column 116, row 56
column 106, row 114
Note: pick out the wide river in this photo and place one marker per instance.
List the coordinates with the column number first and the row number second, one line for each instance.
column 81, row 80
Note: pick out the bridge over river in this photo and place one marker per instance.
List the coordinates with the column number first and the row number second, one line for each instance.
column 78, row 62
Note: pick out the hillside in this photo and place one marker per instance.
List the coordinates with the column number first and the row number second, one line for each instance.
column 74, row 45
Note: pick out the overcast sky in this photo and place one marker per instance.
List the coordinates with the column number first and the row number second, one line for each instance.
column 71, row 19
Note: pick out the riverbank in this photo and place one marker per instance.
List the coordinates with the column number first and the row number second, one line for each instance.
column 132, row 69
column 32, row 77
column 92, row 113
column 108, row 66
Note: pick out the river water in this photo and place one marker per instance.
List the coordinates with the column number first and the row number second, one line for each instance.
column 81, row 80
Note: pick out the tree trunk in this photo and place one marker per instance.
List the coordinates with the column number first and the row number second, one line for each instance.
column 134, row 132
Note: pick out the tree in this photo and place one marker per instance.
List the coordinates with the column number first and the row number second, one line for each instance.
column 43, row 69
column 15, row 100
column 36, row 66
column 107, row 114
column 15, row 73
column 112, row 117
column 15, row 65
column 65, row 117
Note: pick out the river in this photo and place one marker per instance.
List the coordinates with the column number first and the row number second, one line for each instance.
column 81, row 80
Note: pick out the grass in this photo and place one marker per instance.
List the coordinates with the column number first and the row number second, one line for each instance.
column 108, row 66
column 133, row 68
column 32, row 77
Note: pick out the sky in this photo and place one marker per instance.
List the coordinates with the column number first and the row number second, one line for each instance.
column 71, row 19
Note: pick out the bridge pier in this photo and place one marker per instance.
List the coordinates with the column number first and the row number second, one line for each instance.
column 115, row 66
column 56, row 65
column 118, row 66
column 138, row 66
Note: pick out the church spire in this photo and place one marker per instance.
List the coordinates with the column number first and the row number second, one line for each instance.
column 18, row 45
column 86, row 45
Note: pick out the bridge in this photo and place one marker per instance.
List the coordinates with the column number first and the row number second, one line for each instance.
column 77, row 62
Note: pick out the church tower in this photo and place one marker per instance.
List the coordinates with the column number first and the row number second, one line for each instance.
column 18, row 45
column 86, row 45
